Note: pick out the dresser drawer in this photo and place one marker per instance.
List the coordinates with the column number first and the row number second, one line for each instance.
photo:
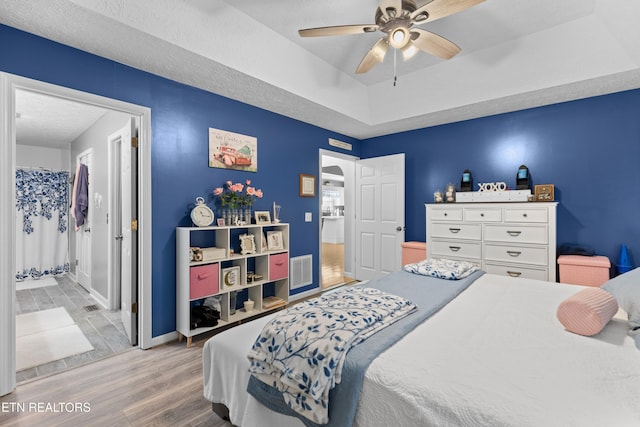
column 525, row 215
column 516, row 233
column 517, row 254
column 516, row 271
column 483, row 214
column 446, row 214
column 446, row 249
column 456, row 231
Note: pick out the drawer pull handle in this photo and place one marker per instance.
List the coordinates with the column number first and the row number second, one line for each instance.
column 445, row 214
column 279, row 262
column 514, row 273
column 513, row 233
column 514, row 253
column 202, row 276
column 454, row 248
column 482, row 214
column 524, row 215
column 454, row 230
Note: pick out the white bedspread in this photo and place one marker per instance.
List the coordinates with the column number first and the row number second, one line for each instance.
column 495, row 356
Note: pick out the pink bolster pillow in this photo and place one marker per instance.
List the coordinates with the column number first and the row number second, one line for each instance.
column 588, row 311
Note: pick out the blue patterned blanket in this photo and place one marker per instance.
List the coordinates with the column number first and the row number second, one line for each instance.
column 301, row 351
column 428, row 293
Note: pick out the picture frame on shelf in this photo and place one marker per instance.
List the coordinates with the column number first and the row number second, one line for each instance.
column 307, row 185
column 247, row 244
column 220, row 222
column 231, row 277
column 274, row 240
column 262, row 217
column 544, row 193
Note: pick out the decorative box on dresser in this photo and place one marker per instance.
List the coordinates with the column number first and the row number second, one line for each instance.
column 198, row 280
column 514, row 239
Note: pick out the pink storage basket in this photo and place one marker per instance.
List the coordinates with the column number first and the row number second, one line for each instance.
column 584, row 270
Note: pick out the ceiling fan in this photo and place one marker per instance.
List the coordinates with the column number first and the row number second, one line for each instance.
column 396, row 19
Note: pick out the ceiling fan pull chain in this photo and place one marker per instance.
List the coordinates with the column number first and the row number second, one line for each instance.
column 395, row 75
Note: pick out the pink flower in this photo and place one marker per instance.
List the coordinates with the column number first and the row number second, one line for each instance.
column 251, row 191
column 229, row 183
column 217, row 191
column 248, row 182
column 259, row 194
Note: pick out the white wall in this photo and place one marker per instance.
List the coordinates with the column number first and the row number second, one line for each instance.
column 48, row 158
column 96, row 138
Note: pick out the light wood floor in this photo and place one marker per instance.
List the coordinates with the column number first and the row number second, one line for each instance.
column 333, row 265
column 159, row 387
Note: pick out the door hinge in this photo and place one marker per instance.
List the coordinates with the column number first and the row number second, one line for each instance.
column 134, row 142
column 134, row 308
column 134, row 225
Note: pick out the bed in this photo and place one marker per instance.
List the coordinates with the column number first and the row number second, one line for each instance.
column 495, row 355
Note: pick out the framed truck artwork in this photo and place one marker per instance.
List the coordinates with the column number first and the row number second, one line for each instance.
column 229, row 150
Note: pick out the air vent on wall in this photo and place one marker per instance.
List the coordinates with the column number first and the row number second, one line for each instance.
column 300, row 270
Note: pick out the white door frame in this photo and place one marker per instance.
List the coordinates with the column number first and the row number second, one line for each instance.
column 9, row 83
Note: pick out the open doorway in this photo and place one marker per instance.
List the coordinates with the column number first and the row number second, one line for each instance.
column 10, row 86
column 64, row 315
column 337, row 203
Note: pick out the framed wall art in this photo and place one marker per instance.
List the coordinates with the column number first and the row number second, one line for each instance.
column 229, row 150
column 307, row 185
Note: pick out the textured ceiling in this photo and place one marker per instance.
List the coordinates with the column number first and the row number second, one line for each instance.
column 47, row 121
column 515, row 54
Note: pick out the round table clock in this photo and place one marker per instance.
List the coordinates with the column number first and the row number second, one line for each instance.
column 201, row 214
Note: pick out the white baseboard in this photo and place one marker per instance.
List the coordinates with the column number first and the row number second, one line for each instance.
column 163, row 339
column 305, row 294
column 99, row 299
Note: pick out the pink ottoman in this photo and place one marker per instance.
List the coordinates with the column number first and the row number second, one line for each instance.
column 413, row 252
column 584, row 270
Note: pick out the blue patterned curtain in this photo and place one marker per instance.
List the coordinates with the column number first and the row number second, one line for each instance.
column 42, row 240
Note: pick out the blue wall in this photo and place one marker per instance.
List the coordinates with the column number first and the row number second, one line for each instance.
column 589, row 149
column 181, row 116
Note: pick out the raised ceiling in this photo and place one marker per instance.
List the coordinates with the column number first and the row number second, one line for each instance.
column 515, row 54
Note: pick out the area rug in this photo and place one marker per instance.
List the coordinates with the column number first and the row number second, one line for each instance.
column 36, row 283
column 46, row 336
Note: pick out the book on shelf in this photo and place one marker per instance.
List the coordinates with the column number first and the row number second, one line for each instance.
column 271, row 302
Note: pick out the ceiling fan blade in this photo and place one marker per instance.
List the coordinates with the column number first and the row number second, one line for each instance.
column 374, row 56
column 434, row 44
column 390, row 4
column 440, row 8
column 339, row 30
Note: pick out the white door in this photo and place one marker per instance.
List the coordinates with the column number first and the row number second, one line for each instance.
column 125, row 217
column 379, row 216
column 83, row 234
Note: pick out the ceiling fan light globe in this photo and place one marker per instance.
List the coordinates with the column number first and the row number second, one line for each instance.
column 399, row 37
column 409, row 51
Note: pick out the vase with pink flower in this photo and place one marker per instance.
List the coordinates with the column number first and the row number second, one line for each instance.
column 236, row 200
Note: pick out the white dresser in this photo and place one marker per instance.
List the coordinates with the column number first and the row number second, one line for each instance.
column 511, row 239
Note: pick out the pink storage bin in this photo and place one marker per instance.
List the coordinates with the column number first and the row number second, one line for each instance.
column 413, row 252
column 584, row 270
column 204, row 280
column 278, row 266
